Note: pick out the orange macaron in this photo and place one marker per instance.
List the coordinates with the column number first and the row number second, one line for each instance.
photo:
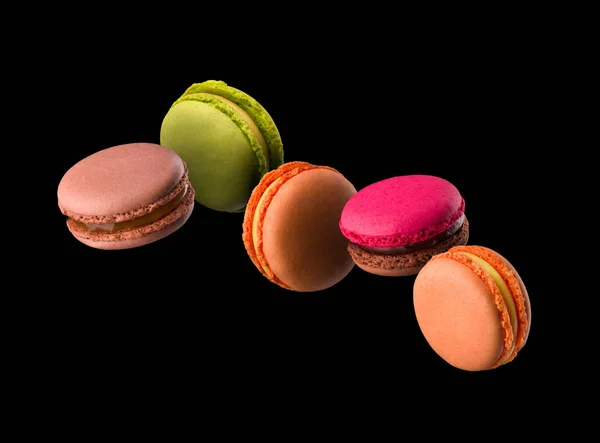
column 472, row 307
column 290, row 227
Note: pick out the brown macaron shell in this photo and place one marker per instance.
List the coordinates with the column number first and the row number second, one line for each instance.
column 398, row 265
column 304, row 247
column 299, row 255
column 517, row 288
column 285, row 172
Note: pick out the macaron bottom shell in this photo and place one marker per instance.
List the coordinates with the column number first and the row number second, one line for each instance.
column 404, row 264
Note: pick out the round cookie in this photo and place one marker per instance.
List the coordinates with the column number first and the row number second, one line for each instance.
column 227, row 139
column 472, row 307
column 126, row 196
column 396, row 225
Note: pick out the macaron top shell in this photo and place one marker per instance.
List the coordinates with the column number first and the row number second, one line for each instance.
column 253, row 108
column 119, row 180
column 223, row 168
column 457, row 300
column 226, row 138
column 401, row 210
column 255, row 213
column 472, row 308
column 290, row 227
column 302, row 222
column 227, row 127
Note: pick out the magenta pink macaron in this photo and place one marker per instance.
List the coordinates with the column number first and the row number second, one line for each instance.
column 396, row 225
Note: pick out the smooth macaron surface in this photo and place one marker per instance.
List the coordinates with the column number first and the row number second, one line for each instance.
column 126, row 196
column 472, row 308
column 227, row 139
column 115, row 181
column 254, row 110
column 290, row 228
column 401, row 210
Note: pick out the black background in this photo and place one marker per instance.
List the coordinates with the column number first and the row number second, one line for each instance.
column 461, row 109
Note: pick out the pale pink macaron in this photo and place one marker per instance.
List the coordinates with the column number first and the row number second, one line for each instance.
column 472, row 308
column 396, row 225
column 126, row 196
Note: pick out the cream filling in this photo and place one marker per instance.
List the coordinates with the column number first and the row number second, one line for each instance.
column 256, row 219
column 255, row 131
column 155, row 215
column 504, row 290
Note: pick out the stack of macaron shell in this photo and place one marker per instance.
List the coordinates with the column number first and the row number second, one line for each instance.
column 394, row 226
column 126, row 196
column 472, row 308
column 290, row 227
column 228, row 140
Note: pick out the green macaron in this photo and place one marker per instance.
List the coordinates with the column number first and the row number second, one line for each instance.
column 227, row 139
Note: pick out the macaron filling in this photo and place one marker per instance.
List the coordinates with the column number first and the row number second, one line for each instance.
column 412, row 247
column 244, row 115
column 152, row 217
column 504, row 291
